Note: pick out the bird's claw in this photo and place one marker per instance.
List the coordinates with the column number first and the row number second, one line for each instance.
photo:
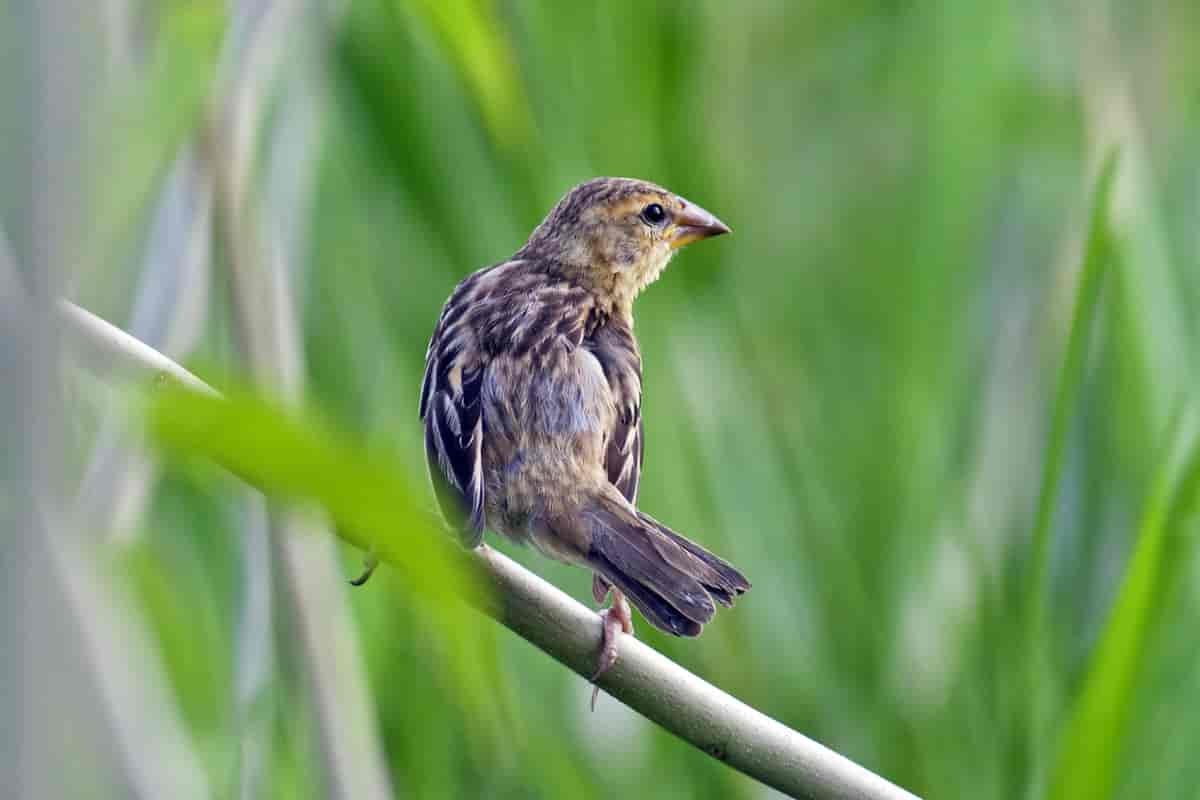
column 370, row 562
column 616, row 619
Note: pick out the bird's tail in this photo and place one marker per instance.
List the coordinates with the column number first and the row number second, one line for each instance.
column 673, row 581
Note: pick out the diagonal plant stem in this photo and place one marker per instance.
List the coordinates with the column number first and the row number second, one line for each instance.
column 169, row 313
column 653, row 685
column 114, row 350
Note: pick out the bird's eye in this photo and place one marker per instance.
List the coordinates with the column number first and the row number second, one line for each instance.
column 654, row 214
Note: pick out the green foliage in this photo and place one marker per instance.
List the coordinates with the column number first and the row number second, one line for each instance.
column 144, row 126
column 303, row 460
column 1096, row 731
column 1070, row 379
column 1096, row 263
column 918, row 347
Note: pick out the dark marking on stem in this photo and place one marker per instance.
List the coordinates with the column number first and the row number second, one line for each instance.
column 717, row 751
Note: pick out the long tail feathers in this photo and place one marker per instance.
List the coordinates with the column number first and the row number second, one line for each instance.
column 673, row 581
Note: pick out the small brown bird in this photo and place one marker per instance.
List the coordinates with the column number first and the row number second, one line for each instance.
column 532, row 404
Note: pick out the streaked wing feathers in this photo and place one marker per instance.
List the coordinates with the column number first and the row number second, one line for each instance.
column 452, row 410
column 508, row 309
column 616, row 350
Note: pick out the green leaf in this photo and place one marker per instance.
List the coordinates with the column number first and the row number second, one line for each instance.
column 147, row 126
column 1097, row 261
column 1093, row 739
column 1096, row 264
column 473, row 37
column 301, row 458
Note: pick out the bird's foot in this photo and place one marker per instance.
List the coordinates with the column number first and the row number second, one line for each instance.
column 370, row 562
column 617, row 619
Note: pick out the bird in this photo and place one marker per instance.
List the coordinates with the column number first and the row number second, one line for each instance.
column 532, row 406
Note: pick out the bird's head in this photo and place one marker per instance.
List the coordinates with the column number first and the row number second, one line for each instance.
column 616, row 235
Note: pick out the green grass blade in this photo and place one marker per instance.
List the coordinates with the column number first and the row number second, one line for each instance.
column 1088, row 756
column 473, row 36
column 1096, row 263
column 1097, row 260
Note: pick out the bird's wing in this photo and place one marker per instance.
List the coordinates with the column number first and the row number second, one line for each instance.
column 616, row 349
column 451, row 408
column 623, row 461
column 510, row 310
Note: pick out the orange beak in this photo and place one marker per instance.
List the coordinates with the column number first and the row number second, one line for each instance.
column 692, row 223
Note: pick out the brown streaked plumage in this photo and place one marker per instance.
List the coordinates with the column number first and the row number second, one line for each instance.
column 532, row 404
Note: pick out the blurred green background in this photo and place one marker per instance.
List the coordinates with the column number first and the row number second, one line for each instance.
column 960, row 476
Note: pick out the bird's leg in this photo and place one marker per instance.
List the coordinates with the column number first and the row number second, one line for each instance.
column 617, row 619
column 370, row 562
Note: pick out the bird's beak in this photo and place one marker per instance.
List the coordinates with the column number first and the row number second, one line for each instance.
column 692, row 223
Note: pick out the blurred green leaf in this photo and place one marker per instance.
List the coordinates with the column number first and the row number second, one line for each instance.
column 1097, row 260
column 190, row 636
column 476, row 41
column 303, row 459
column 1088, row 760
column 1096, row 263
column 150, row 123
column 297, row 458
